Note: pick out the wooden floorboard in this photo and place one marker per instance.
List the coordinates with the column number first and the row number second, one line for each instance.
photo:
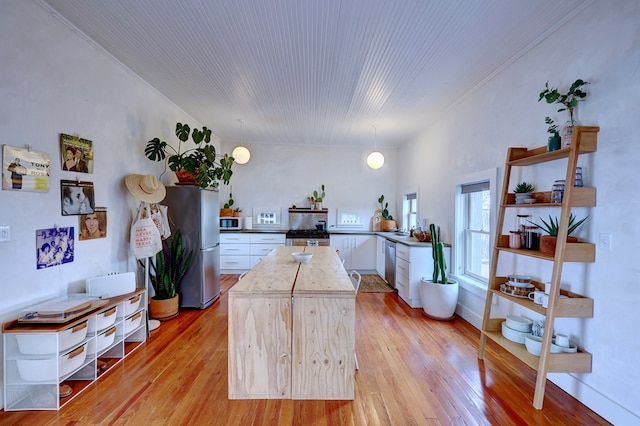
column 413, row 371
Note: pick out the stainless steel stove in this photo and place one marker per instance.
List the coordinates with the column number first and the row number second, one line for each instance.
column 307, row 227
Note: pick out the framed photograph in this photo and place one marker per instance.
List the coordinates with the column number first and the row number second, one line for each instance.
column 93, row 225
column 76, row 154
column 24, row 170
column 54, row 247
column 77, row 197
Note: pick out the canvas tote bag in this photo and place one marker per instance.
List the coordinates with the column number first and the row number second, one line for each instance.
column 145, row 240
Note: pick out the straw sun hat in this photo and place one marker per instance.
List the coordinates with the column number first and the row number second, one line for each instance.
column 146, row 188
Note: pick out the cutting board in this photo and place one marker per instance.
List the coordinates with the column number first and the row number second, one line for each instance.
column 59, row 311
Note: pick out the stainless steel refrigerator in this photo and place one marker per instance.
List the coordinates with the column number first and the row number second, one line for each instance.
column 196, row 212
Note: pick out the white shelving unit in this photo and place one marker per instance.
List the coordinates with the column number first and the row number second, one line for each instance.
column 39, row 358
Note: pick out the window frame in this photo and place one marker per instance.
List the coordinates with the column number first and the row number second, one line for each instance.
column 406, row 209
column 491, row 175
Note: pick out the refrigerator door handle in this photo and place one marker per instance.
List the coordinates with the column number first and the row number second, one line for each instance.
column 211, row 248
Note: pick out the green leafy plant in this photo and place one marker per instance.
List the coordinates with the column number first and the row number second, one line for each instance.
column 201, row 160
column 552, row 226
column 385, row 208
column 524, row 188
column 237, row 210
column 437, row 252
column 568, row 100
column 168, row 268
column 553, row 128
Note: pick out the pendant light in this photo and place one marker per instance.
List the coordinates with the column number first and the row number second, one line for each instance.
column 241, row 154
column 375, row 160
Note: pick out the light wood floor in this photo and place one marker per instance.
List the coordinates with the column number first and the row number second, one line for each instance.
column 413, row 371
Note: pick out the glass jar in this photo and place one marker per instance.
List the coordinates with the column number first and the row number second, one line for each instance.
column 532, row 238
column 557, row 191
column 578, row 180
column 522, row 220
column 514, row 239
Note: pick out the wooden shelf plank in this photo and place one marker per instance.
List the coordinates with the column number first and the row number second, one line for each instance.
column 579, row 362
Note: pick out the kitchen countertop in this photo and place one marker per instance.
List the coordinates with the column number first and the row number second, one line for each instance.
column 402, row 239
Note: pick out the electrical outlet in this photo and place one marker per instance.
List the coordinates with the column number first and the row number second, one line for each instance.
column 605, row 242
column 5, row 234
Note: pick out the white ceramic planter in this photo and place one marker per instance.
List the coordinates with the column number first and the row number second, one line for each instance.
column 439, row 301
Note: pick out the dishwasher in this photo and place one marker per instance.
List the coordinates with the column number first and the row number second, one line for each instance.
column 390, row 263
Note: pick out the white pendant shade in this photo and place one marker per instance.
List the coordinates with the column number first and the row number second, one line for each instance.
column 241, row 155
column 375, row 160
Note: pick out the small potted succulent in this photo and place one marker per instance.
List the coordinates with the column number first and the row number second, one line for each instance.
column 388, row 222
column 227, row 208
column 548, row 242
column 523, row 192
column 199, row 165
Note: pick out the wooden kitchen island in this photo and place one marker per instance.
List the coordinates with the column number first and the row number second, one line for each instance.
column 292, row 329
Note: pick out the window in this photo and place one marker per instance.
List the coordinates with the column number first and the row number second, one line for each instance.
column 410, row 210
column 475, row 203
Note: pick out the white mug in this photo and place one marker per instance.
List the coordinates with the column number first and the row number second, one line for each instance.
column 536, row 296
column 562, row 340
column 545, row 300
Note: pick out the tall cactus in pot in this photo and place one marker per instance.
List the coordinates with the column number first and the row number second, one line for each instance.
column 439, row 262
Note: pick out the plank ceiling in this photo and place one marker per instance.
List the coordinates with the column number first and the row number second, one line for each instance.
column 316, row 72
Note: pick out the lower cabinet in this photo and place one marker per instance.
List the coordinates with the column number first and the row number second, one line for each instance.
column 413, row 263
column 241, row 251
column 47, row 365
column 358, row 250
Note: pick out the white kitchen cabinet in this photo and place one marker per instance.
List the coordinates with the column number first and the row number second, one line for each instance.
column 413, row 263
column 380, row 243
column 241, row 251
column 40, row 357
column 358, row 250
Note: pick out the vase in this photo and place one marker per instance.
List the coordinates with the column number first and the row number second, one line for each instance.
column 554, row 143
column 185, row 177
column 548, row 244
column 439, row 301
column 163, row 309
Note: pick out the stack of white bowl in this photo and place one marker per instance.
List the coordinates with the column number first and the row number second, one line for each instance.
column 516, row 328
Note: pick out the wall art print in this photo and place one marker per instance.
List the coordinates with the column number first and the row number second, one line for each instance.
column 54, row 247
column 24, row 170
column 77, row 197
column 76, row 153
column 93, row 225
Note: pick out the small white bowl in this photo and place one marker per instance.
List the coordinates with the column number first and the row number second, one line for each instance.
column 301, row 257
column 534, row 345
column 513, row 335
column 517, row 323
column 529, row 200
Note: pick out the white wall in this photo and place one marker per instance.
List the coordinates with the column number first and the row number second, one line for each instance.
column 284, row 175
column 600, row 45
column 52, row 81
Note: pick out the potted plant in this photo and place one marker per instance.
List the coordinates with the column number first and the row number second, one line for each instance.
column 199, row 165
column 316, row 199
column 548, row 242
column 167, row 270
column 439, row 295
column 237, row 211
column 554, row 140
column 569, row 101
column 227, row 209
column 523, row 191
column 388, row 222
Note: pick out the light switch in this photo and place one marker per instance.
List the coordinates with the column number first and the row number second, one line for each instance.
column 5, row 233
